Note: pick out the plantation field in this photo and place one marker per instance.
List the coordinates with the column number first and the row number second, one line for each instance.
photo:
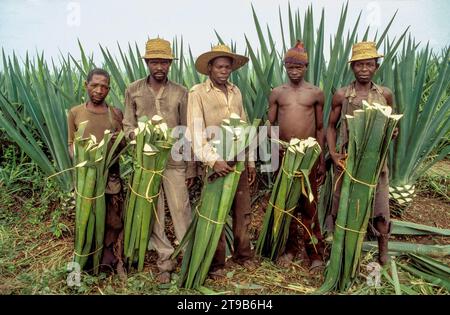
column 37, row 216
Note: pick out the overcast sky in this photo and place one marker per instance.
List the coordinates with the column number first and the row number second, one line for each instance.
column 54, row 25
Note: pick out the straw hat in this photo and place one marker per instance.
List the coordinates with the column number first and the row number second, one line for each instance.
column 158, row 48
column 201, row 64
column 364, row 50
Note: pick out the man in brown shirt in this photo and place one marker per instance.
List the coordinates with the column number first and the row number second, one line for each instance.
column 100, row 117
column 209, row 103
column 364, row 64
column 156, row 95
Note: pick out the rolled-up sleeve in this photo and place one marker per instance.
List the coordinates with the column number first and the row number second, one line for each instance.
column 197, row 134
column 71, row 128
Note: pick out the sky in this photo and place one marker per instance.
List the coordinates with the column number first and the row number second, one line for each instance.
column 53, row 26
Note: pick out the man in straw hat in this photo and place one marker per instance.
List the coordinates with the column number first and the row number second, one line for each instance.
column 157, row 95
column 364, row 64
column 297, row 108
column 100, row 117
column 209, row 103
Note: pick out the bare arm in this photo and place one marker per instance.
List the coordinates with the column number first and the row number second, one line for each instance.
column 119, row 116
column 390, row 101
column 71, row 128
column 388, row 96
column 335, row 114
column 250, row 155
column 320, row 135
column 272, row 114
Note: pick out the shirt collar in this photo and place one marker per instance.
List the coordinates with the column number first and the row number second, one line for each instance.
column 210, row 86
column 351, row 91
column 147, row 80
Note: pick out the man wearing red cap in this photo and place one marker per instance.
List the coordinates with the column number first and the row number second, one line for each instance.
column 297, row 107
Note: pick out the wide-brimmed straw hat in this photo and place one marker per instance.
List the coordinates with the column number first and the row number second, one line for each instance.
column 364, row 50
column 158, row 48
column 201, row 64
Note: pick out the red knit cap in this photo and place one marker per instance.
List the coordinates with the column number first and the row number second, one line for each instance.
column 297, row 54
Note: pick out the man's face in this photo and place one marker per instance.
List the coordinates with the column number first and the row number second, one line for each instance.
column 159, row 68
column 295, row 71
column 364, row 70
column 97, row 88
column 220, row 70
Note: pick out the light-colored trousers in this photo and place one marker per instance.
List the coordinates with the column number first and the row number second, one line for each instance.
column 175, row 192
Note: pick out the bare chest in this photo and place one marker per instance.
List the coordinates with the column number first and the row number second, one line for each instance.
column 296, row 100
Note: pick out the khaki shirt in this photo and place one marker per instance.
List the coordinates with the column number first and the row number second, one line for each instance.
column 170, row 103
column 349, row 106
column 208, row 106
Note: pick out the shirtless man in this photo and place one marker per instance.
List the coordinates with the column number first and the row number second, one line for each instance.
column 296, row 107
column 364, row 64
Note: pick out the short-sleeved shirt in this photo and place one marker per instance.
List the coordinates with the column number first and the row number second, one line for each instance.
column 97, row 124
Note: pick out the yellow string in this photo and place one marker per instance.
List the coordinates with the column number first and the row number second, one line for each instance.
column 296, row 174
column 149, row 200
column 159, row 172
column 88, row 198
column 206, row 218
column 56, row 174
column 89, row 253
column 288, row 212
column 237, row 172
column 344, row 163
column 350, row 230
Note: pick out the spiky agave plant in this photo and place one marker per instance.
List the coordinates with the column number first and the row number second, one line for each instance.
column 421, row 83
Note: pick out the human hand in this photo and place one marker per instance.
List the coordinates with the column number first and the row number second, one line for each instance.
column 222, row 168
column 251, row 175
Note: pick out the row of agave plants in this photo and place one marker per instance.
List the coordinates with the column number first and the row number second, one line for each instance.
column 36, row 93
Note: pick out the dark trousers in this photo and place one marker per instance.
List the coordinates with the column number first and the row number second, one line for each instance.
column 309, row 217
column 113, row 241
column 380, row 211
column 241, row 214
